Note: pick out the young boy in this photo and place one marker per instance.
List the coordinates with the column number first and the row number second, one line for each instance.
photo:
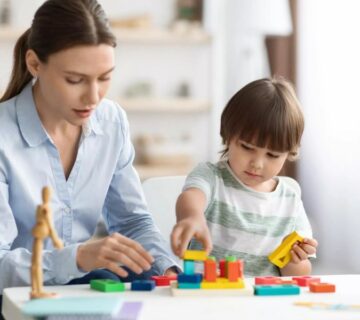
column 239, row 206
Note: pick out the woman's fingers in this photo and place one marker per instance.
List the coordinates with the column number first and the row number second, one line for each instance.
column 129, row 253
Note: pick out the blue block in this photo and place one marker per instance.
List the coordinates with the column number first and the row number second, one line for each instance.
column 189, row 278
column 189, row 285
column 142, row 285
column 189, row 267
column 276, row 290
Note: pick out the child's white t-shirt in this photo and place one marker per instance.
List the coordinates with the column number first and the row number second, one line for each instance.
column 244, row 222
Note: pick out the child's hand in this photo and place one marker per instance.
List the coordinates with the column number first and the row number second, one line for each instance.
column 301, row 251
column 185, row 230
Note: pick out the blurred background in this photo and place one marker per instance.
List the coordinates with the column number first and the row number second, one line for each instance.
column 179, row 61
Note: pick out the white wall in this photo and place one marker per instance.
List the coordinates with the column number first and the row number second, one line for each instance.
column 329, row 69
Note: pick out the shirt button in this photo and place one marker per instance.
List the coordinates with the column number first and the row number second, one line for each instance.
column 67, row 210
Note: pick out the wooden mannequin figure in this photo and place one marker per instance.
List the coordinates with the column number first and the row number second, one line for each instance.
column 43, row 228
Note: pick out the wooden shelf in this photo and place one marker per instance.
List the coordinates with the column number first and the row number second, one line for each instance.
column 178, row 105
column 148, row 171
column 10, row 34
column 160, row 36
column 134, row 36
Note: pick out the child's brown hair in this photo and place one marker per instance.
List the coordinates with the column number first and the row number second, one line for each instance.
column 265, row 112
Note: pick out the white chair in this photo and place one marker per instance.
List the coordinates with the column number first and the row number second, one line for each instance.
column 161, row 194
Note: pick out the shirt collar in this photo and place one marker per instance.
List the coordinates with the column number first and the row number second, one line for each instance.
column 30, row 124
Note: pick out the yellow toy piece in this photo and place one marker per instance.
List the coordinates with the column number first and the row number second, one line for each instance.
column 197, row 255
column 223, row 283
column 281, row 256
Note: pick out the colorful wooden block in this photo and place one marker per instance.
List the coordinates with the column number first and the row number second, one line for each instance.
column 223, row 283
column 222, row 266
column 189, row 278
column 304, row 281
column 276, row 290
column 286, row 281
column 267, row 280
column 241, row 268
column 321, row 287
column 197, row 255
column 210, row 271
column 184, row 285
column 107, row 285
column 233, row 271
column 161, row 281
column 142, row 285
column 189, row 266
column 281, row 255
column 248, row 290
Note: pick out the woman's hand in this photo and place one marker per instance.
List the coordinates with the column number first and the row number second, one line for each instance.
column 189, row 228
column 112, row 251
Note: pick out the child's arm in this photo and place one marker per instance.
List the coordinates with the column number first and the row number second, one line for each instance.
column 300, row 265
column 191, row 222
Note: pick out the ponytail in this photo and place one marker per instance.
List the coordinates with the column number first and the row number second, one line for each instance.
column 20, row 76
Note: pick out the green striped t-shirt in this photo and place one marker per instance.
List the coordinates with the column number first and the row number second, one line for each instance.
column 247, row 223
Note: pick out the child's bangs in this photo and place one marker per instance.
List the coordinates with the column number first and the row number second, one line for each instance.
column 266, row 132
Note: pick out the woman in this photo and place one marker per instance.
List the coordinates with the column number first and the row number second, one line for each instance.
column 56, row 129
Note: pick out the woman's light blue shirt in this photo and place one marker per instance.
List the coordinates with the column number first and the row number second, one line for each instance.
column 102, row 181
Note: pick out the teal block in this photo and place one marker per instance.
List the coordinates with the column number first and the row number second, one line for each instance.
column 107, row 285
column 189, row 266
column 185, row 285
column 276, row 290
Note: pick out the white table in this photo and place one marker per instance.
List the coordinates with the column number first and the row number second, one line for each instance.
column 160, row 304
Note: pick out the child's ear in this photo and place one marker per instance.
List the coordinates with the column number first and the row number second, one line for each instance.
column 293, row 155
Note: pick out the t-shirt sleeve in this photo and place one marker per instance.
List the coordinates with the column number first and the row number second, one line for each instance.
column 202, row 177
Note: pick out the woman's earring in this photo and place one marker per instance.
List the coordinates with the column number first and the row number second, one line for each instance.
column 34, row 79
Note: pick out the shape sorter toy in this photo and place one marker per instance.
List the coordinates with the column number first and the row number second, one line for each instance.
column 229, row 281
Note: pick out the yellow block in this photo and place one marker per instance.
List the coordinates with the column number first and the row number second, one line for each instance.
column 223, row 283
column 195, row 255
column 281, row 256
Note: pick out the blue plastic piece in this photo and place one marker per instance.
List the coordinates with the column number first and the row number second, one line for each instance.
column 189, row 278
column 142, row 285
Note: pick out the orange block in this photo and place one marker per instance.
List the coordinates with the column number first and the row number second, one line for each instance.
column 241, row 268
column 321, row 287
column 233, row 271
column 210, row 271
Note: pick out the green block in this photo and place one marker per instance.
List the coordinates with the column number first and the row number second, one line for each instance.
column 107, row 285
column 187, row 285
column 230, row 259
column 276, row 290
column 211, row 258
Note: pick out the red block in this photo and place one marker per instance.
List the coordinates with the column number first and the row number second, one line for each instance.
column 305, row 280
column 162, row 281
column 267, row 280
column 222, row 266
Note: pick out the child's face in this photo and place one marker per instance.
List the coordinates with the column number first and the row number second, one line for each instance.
column 255, row 166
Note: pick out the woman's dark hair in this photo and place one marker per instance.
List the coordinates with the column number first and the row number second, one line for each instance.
column 58, row 25
column 265, row 112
